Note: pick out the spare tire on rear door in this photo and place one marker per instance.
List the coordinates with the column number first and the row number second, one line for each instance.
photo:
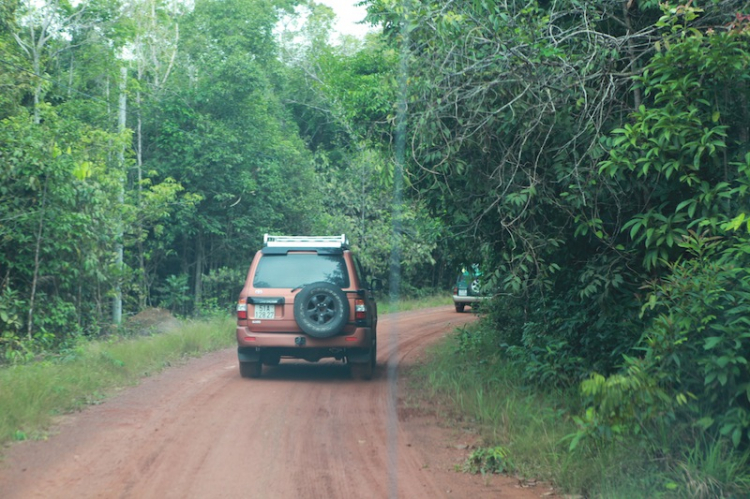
column 321, row 309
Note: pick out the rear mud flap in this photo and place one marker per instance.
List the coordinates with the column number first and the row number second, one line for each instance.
column 358, row 357
column 248, row 354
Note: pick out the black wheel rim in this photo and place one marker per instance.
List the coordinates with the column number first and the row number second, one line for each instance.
column 321, row 309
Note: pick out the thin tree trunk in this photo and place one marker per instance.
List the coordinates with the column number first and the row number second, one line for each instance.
column 143, row 293
column 37, row 89
column 70, row 77
column 198, row 271
column 117, row 300
column 627, row 5
column 35, row 279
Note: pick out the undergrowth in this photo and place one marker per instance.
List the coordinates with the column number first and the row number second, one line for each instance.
column 527, row 430
column 408, row 304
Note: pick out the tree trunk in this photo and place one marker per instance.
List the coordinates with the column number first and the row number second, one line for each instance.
column 198, row 271
column 35, row 279
column 143, row 293
column 627, row 5
column 37, row 88
column 117, row 300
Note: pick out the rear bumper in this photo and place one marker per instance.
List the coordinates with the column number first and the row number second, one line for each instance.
column 468, row 299
column 360, row 337
column 355, row 346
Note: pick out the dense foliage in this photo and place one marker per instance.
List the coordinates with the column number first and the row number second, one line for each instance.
column 147, row 146
column 593, row 156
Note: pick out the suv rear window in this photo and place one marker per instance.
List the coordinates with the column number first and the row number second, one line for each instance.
column 294, row 270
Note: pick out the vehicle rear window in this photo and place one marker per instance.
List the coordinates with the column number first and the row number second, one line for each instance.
column 296, row 270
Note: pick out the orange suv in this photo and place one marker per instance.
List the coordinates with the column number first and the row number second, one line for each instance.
column 306, row 298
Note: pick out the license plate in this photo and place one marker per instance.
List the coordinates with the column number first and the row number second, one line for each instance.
column 461, row 292
column 265, row 311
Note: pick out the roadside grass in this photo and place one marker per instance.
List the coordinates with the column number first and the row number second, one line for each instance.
column 31, row 395
column 531, row 428
column 408, row 304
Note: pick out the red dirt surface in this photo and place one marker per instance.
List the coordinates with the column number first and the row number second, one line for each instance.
column 301, row 431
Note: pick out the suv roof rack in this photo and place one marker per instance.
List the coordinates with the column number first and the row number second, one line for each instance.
column 270, row 241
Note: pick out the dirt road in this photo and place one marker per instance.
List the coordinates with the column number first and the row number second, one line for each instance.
column 301, row 431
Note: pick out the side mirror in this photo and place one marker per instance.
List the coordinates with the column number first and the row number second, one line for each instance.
column 376, row 285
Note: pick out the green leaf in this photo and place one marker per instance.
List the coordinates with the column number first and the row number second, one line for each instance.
column 575, row 441
column 711, row 342
column 705, row 422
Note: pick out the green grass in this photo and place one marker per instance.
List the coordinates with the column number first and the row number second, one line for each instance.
column 527, row 424
column 408, row 304
column 532, row 426
column 32, row 394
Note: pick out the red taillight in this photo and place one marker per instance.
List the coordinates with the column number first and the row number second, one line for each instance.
column 360, row 310
column 241, row 310
column 455, row 290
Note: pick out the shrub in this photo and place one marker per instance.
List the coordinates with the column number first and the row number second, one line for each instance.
column 694, row 354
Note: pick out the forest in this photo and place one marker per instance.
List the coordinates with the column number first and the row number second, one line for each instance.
column 592, row 156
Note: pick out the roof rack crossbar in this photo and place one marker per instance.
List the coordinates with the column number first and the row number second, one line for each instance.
column 305, row 241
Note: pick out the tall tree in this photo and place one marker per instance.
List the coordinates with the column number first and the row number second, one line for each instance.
column 345, row 115
column 12, row 79
column 220, row 131
column 155, row 46
column 43, row 33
